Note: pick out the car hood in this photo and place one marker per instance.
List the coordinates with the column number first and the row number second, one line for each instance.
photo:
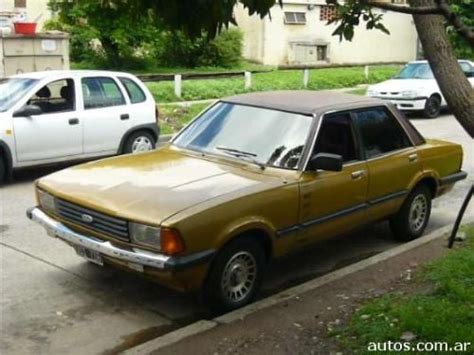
column 153, row 186
column 397, row 85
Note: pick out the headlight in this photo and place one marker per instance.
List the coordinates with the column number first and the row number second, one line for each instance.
column 167, row 240
column 46, row 201
column 145, row 235
column 409, row 93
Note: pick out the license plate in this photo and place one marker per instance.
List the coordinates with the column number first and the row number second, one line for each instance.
column 91, row 255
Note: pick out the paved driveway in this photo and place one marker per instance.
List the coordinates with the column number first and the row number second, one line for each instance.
column 54, row 302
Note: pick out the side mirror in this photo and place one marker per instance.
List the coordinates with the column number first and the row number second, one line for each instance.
column 326, row 161
column 28, row 111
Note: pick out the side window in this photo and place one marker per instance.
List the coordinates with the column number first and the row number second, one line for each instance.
column 57, row 96
column 135, row 93
column 379, row 131
column 101, row 92
column 336, row 136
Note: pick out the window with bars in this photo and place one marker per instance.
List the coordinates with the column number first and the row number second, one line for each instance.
column 327, row 13
column 298, row 18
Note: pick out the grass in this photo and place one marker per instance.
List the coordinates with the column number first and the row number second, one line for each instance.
column 154, row 69
column 443, row 314
column 331, row 78
column 174, row 117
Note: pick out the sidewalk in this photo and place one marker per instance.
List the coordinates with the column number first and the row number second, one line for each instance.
column 300, row 325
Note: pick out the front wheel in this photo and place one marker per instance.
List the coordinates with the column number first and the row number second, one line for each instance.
column 235, row 275
column 411, row 220
column 432, row 107
column 138, row 142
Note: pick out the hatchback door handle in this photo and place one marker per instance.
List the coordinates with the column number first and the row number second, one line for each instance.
column 73, row 121
column 357, row 174
column 413, row 157
column 125, row 116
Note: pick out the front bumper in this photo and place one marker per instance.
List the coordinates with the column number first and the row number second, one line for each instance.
column 412, row 104
column 136, row 256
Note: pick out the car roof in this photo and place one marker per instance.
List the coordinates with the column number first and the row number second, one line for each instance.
column 302, row 101
column 39, row 75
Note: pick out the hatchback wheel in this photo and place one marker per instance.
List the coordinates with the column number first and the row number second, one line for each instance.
column 3, row 171
column 410, row 222
column 139, row 142
column 432, row 107
column 235, row 275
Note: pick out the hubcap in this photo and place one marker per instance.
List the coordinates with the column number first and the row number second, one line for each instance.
column 418, row 212
column 141, row 144
column 239, row 276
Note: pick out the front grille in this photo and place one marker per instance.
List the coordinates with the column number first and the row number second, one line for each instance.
column 111, row 226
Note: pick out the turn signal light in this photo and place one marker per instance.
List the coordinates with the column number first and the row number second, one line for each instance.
column 171, row 241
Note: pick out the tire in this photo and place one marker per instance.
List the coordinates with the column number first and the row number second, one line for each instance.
column 3, row 170
column 140, row 141
column 411, row 220
column 230, row 283
column 432, row 107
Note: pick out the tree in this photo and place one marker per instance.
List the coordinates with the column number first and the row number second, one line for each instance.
column 120, row 32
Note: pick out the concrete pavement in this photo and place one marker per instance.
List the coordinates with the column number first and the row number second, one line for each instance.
column 54, row 302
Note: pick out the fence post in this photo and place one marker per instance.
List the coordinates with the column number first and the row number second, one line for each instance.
column 177, row 85
column 366, row 72
column 248, row 80
column 305, row 78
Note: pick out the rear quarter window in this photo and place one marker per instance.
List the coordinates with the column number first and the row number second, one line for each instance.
column 134, row 92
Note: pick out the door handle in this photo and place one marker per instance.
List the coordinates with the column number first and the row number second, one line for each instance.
column 413, row 157
column 73, row 121
column 125, row 116
column 357, row 174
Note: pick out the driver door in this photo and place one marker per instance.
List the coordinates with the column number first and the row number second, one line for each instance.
column 333, row 202
column 57, row 132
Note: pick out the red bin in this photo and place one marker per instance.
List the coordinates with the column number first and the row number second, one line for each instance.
column 25, row 28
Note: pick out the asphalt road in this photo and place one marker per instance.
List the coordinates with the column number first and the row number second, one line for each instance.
column 53, row 302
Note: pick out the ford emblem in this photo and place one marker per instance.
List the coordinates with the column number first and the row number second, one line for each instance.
column 86, row 218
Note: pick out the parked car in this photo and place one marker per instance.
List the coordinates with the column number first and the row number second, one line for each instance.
column 254, row 177
column 56, row 116
column 414, row 88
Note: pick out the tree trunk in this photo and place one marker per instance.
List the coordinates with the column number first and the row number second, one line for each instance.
column 452, row 81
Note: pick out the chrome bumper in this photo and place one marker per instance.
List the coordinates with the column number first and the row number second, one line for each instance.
column 142, row 257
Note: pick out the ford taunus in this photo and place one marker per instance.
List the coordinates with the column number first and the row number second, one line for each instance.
column 252, row 178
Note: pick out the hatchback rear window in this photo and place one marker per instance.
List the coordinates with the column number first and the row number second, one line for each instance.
column 135, row 93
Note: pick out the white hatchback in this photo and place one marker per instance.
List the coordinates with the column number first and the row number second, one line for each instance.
column 416, row 89
column 57, row 116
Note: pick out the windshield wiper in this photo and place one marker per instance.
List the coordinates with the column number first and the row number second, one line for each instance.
column 242, row 155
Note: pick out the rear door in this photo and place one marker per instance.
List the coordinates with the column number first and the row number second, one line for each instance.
column 392, row 159
column 56, row 133
column 105, row 113
column 142, row 105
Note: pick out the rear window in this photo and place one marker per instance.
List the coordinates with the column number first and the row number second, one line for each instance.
column 135, row 93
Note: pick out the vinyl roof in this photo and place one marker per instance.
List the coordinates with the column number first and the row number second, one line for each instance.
column 303, row 101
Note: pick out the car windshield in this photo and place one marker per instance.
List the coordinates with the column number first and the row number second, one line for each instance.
column 261, row 136
column 415, row 71
column 13, row 89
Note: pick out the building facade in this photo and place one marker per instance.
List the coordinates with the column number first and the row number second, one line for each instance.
column 33, row 10
column 298, row 34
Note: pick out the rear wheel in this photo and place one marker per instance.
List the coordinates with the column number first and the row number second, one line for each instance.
column 432, row 107
column 235, row 275
column 410, row 222
column 137, row 142
column 3, row 170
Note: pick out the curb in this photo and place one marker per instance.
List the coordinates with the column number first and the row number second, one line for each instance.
column 239, row 314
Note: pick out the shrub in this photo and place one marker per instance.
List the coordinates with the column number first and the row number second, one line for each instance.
column 223, row 51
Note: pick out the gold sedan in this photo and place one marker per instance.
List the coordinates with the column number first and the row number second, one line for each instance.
column 254, row 177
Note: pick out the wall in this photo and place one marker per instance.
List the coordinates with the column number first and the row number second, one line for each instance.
column 367, row 46
column 254, row 31
column 33, row 8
